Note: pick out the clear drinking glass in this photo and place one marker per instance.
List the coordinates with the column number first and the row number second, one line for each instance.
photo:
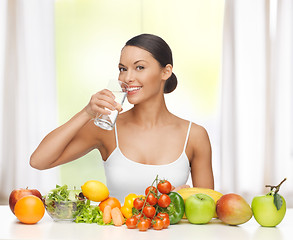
column 119, row 89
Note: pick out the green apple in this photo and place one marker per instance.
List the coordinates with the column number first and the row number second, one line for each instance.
column 200, row 208
column 265, row 212
column 269, row 210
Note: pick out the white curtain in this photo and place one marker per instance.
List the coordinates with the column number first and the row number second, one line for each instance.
column 257, row 97
column 28, row 104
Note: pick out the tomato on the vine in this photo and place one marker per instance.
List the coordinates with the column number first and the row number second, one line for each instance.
column 131, row 222
column 149, row 211
column 146, row 208
column 143, row 224
column 137, row 216
column 166, row 222
column 162, row 215
column 165, row 218
column 164, row 201
column 152, row 189
column 149, row 221
column 138, row 203
column 151, row 199
column 158, row 224
column 164, row 186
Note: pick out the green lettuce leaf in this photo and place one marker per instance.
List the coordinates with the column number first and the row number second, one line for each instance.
column 90, row 214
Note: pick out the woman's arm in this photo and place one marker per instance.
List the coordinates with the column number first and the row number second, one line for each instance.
column 76, row 137
column 52, row 147
column 201, row 161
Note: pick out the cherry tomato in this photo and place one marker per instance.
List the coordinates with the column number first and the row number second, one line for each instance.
column 166, row 222
column 131, row 222
column 151, row 199
column 152, row 189
column 148, row 220
column 165, row 218
column 162, row 215
column 138, row 203
column 149, row 211
column 164, row 186
column 137, row 216
column 143, row 225
column 158, row 224
column 164, row 201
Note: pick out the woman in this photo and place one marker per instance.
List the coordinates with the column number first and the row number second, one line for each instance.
column 147, row 140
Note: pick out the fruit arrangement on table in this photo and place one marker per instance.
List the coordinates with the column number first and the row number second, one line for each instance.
column 157, row 209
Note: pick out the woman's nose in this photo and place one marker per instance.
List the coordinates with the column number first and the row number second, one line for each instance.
column 129, row 77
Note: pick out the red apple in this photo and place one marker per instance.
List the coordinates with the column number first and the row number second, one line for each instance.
column 17, row 194
column 232, row 209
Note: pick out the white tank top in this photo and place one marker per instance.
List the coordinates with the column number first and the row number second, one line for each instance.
column 125, row 176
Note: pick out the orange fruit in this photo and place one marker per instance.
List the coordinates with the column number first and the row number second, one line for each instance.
column 110, row 201
column 29, row 209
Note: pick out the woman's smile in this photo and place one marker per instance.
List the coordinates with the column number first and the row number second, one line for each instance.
column 131, row 90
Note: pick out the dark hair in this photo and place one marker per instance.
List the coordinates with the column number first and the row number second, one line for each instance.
column 160, row 50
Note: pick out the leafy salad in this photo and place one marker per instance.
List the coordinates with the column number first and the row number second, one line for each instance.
column 64, row 204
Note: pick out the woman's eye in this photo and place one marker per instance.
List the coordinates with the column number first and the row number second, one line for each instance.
column 122, row 69
column 139, row 67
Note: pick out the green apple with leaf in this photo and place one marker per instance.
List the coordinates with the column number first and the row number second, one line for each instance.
column 269, row 210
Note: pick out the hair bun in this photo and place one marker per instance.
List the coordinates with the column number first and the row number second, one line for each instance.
column 170, row 84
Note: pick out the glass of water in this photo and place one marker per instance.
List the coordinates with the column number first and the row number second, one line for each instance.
column 119, row 89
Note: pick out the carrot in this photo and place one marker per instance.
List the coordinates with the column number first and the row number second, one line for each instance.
column 122, row 216
column 117, row 216
column 107, row 214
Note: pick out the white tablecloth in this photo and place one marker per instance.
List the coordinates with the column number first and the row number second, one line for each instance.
column 11, row 228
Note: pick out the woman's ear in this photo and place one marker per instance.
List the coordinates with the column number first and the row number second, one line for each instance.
column 167, row 72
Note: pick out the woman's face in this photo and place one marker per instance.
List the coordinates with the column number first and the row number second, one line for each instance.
column 142, row 72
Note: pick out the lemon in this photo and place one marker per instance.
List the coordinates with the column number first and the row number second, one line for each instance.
column 95, row 190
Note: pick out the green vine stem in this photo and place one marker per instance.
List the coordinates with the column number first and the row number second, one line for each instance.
column 145, row 200
column 276, row 189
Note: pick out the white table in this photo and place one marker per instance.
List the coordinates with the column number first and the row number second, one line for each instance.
column 11, row 228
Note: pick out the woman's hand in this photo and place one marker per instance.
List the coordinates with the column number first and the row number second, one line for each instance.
column 100, row 102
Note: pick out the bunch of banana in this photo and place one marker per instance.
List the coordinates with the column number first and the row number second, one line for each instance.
column 186, row 192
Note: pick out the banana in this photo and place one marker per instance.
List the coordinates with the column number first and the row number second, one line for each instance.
column 186, row 192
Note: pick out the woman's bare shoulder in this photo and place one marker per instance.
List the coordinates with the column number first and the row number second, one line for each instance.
column 198, row 132
column 199, row 137
column 197, row 129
